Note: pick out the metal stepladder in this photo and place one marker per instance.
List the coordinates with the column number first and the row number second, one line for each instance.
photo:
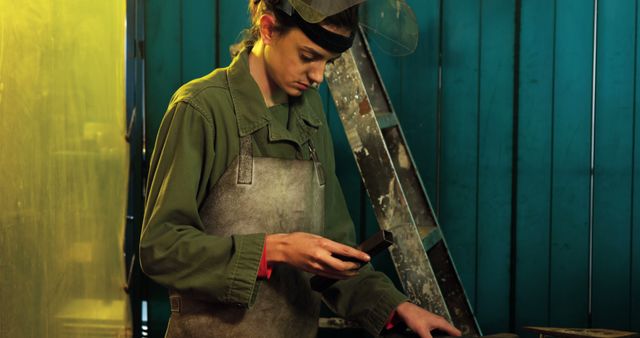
column 400, row 202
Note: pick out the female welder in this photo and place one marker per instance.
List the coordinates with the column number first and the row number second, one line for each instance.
column 243, row 203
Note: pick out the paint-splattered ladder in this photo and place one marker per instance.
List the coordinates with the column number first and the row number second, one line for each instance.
column 400, row 202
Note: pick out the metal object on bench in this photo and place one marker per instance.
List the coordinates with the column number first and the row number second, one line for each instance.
column 574, row 333
column 414, row 335
column 336, row 323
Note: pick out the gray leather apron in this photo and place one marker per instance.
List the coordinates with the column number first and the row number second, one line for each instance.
column 257, row 195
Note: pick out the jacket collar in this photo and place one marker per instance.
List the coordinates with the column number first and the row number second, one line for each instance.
column 252, row 112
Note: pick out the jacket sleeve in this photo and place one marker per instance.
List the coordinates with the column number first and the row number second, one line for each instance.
column 174, row 249
column 370, row 297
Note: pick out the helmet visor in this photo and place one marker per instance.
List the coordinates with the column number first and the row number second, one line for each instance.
column 391, row 25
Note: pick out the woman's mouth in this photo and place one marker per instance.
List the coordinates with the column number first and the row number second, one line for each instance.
column 301, row 86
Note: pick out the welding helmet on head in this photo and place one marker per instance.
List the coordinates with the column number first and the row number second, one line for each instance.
column 391, row 24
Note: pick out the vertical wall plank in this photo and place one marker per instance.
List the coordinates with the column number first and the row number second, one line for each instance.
column 390, row 68
column 634, row 300
column 418, row 106
column 614, row 151
column 569, row 248
column 163, row 45
column 233, row 17
column 534, row 162
column 495, row 141
column 163, row 76
column 198, row 38
column 459, row 158
column 137, row 168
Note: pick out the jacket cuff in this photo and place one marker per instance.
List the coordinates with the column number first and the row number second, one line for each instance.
column 378, row 316
column 243, row 283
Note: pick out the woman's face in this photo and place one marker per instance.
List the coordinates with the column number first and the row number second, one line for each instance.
column 294, row 62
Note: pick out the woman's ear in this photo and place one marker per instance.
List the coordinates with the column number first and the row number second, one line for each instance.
column 267, row 28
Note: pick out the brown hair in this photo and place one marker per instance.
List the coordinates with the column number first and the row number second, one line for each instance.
column 345, row 19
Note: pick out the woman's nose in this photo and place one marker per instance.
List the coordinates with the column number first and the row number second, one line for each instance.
column 316, row 73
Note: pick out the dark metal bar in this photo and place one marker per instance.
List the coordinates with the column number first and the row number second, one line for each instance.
column 372, row 246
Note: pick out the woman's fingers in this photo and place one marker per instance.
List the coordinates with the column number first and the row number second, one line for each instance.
column 331, row 265
column 342, row 263
column 334, row 275
column 444, row 325
column 339, row 249
column 425, row 334
column 341, row 258
column 322, row 269
column 338, row 264
column 423, row 322
column 315, row 254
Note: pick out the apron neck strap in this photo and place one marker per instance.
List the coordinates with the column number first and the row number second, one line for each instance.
column 316, row 163
column 245, row 161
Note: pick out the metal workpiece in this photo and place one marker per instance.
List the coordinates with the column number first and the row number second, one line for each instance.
column 336, row 323
column 399, row 200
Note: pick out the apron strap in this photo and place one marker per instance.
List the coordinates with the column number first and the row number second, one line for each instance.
column 176, row 302
column 245, row 161
column 317, row 164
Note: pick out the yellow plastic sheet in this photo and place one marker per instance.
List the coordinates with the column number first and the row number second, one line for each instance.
column 63, row 175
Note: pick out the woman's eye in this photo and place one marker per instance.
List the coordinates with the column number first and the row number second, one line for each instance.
column 306, row 58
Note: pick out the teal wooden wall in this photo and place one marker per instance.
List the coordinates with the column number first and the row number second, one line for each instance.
column 502, row 115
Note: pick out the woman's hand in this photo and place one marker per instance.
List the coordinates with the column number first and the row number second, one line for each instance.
column 314, row 254
column 422, row 322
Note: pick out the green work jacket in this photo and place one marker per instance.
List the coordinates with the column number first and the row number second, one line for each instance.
column 198, row 139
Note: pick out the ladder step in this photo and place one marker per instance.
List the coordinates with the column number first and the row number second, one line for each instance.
column 386, row 120
column 432, row 239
